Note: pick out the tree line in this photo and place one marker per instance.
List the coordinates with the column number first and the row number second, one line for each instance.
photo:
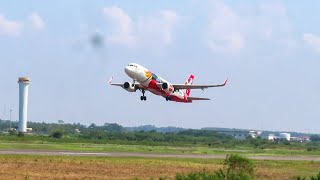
column 115, row 133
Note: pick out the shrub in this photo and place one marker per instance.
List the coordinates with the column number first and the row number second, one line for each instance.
column 12, row 132
column 202, row 175
column 57, row 134
column 236, row 164
column 20, row 134
column 316, row 177
column 300, row 178
column 235, row 167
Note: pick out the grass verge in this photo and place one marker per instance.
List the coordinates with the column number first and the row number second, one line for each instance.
column 88, row 147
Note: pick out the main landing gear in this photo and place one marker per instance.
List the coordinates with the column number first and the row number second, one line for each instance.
column 143, row 97
column 168, row 98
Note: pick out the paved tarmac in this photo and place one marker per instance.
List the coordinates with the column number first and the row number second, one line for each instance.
column 149, row 155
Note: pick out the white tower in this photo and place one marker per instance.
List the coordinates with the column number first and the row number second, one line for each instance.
column 23, row 103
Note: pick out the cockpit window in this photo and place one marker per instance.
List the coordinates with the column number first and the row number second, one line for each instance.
column 132, row 65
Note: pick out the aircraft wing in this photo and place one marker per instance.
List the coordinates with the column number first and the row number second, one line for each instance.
column 197, row 98
column 137, row 85
column 183, row 86
column 116, row 84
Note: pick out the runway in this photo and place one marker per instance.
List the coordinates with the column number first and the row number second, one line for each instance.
column 149, row 155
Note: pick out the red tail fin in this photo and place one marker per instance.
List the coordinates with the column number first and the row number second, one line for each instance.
column 189, row 82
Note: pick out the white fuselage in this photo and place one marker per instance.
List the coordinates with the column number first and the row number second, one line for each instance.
column 150, row 81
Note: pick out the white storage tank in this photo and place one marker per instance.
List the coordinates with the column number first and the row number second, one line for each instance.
column 286, row 136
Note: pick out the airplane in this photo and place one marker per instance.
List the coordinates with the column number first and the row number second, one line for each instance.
column 148, row 81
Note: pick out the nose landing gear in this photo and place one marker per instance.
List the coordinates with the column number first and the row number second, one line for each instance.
column 143, row 97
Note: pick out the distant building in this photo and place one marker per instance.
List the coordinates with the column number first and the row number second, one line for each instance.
column 294, row 138
column 77, row 131
column 304, row 138
column 11, row 129
column 282, row 136
column 242, row 135
column 29, row 130
column 301, row 138
column 285, row 136
column 255, row 134
column 272, row 137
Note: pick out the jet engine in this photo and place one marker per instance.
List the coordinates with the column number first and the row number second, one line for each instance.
column 129, row 87
column 167, row 87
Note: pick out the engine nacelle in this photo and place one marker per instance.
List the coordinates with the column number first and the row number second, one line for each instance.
column 167, row 87
column 129, row 87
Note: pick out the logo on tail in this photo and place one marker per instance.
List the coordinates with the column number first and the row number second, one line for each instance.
column 189, row 82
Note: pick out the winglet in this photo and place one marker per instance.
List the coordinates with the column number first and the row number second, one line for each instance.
column 225, row 82
column 110, row 81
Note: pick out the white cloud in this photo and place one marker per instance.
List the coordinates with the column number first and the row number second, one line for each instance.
column 37, row 22
column 227, row 43
column 225, row 29
column 312, row 40
column 232, row 29
column 122, row 26
column 9, row 27
column 274, row 24
column 157, row 30
column 152, row 30
column 14, row 28
column 169, row 20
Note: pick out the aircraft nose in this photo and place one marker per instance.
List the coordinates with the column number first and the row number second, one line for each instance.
column 128, row 70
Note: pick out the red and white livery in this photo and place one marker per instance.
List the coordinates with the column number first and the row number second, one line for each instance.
column 148, row 81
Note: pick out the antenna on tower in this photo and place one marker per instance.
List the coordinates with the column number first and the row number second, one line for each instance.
column 4, row 112
column 10, row 118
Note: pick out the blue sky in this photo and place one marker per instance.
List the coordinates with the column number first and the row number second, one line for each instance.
column 269, row 50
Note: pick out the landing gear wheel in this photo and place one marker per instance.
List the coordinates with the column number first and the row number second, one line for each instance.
column 168, row 99
column 143, row 97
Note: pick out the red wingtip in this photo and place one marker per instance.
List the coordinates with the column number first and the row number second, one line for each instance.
column 110, row 81
column 225, row 81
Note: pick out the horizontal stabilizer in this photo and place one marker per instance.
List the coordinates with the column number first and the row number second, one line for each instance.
column 197, row 98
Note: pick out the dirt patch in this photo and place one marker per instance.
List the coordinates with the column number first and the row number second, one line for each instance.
column 72, row 168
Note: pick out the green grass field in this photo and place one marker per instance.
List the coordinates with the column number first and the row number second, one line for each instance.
column 88, row 147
